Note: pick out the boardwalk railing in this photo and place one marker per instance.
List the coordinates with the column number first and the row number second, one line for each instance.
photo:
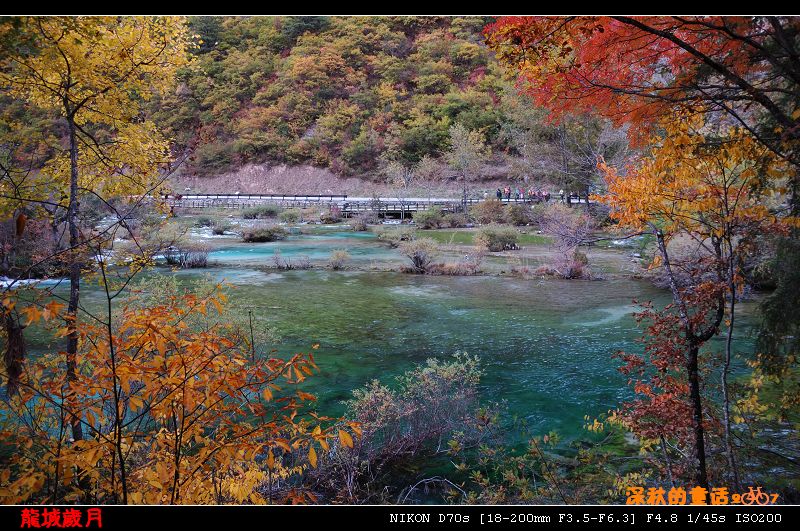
column 347, row 204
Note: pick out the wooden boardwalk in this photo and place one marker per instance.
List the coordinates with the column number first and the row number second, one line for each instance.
column 347, row 204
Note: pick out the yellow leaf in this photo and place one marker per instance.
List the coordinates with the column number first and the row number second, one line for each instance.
column 312, row 456
column 345, row 439
column 356, row 427
column 136, row 403
column 32, row 314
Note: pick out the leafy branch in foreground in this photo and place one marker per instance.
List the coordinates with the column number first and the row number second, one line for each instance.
column 173, row 413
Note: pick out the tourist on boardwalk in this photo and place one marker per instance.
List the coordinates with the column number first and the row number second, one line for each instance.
column 499, row 194
column 561, row 193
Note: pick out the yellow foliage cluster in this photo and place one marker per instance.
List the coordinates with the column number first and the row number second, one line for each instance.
column 698, row 181
column 96, row 72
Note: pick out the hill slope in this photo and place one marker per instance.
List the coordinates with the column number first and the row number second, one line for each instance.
column 349, row 93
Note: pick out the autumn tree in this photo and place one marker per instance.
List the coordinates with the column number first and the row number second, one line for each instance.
column 569, row 231
column 706, row 185
column 402, row 176
column 430, row 173
column 466, row 155
column 174, row 410
column 743, row 67
column 563, row 153
column 94, row 73
column 718, row 97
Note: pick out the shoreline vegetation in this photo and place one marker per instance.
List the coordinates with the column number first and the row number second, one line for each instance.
column 464, row 250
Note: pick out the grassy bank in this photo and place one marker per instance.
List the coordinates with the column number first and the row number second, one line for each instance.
column 466, row 237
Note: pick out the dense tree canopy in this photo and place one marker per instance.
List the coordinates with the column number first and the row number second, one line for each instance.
column 349, row 93
column 638, row 69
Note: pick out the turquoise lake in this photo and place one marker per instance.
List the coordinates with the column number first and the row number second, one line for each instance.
column 545, row 345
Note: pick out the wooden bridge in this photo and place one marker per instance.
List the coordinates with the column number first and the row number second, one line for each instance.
column 347, row 204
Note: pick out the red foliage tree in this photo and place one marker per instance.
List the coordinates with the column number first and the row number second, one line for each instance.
column 635, row 70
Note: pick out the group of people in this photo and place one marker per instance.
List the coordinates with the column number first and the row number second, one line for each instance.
column 530, row 195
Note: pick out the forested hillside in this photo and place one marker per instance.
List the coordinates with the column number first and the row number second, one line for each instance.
column 354, row 94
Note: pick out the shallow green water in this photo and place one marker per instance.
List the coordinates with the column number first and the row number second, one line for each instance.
column 363, row 247
column 546, row 345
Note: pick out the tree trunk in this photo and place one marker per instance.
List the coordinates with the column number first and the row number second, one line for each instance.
column 15, row 351
column 692, row 370
column 701, row 475
column 74, row 279
column 726, row 411
column 464, row 200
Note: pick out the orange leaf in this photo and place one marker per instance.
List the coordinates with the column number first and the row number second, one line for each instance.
column 305, row 396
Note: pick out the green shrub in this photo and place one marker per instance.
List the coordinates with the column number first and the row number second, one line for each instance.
column 358, row 223
column 572, row 264
column 396, row 235
column 302, row 262
column 291, row 215
column 496, row 238
column 489, row 211
column 203, row 221
column 580, row 257
column 436, row 401
column 429, row 219
column 221, row 227
column 261, row 212
column 187, row 255
column 538, row 211
column 332, row 215
column 453, row 221
column 263, row 234
column 519, row 214
column 469, row 265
